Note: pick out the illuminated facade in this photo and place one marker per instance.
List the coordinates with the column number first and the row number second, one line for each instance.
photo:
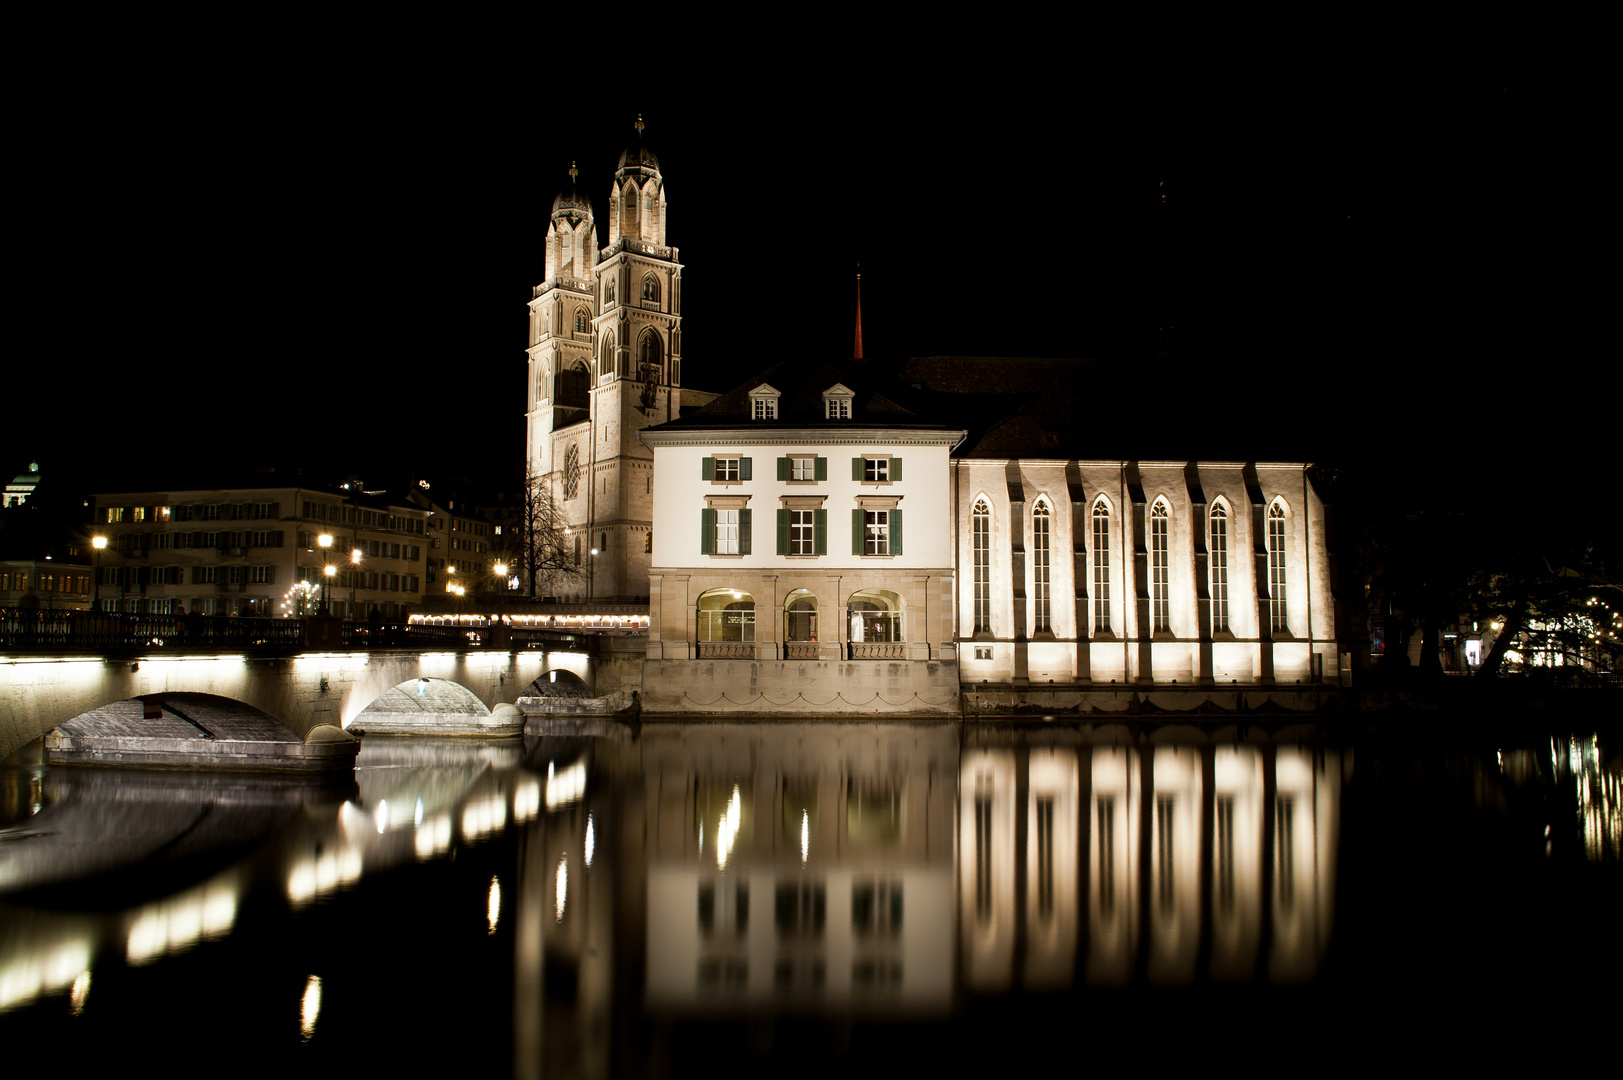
column 255, row 551
column 605, row 361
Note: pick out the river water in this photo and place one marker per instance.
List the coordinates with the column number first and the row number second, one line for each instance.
column 800, row 898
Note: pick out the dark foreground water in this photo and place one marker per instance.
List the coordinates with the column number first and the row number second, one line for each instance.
column 799, row 899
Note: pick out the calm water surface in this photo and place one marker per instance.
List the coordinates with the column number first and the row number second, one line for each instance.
column 796, row 898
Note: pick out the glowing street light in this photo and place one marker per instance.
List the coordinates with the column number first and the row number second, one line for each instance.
column 100, row 544
column 327, row 570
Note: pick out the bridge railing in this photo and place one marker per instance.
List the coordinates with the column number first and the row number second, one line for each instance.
column 42, row 628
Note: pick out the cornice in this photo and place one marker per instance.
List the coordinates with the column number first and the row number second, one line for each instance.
column 866, row 437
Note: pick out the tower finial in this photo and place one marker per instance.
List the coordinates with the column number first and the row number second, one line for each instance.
column 638, row 125
column 573, row 172
column 857, row 354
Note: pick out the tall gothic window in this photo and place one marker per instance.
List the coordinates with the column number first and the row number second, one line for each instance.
column 605, row 355
column 648, row 355
column 1160, row 608
column 580, row 320
column 1039, row 568
column 1101, row 567
column 1276, row 566
column 982, row 542
column 650, row 288
column 1220, row 569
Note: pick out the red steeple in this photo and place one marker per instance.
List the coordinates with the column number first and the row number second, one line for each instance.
column 857, row 355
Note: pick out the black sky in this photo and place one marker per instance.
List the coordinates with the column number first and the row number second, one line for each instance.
column 228, row 267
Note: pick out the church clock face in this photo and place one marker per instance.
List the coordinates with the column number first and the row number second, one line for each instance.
column 572, row 471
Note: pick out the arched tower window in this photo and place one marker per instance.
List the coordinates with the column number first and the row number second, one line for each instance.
column 572, row 386
column 1276, row 567
column 1219, row 558
column 649, row 354
column 1101, row 567
column 628, row 211
column 1040, row 542
column 650, row 288
column 981, row 542
column 605, row 354
column 580, row 321
column 1160, row 606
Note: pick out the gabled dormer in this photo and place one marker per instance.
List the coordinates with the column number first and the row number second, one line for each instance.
column 837, row 402
column 764, row 402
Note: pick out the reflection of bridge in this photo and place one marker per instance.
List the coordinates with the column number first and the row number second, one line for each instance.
column 311, row 689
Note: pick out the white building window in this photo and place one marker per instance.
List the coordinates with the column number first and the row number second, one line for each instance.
column 763, row 409
column 726, row 532
column 837, row 402
column 803, row 468
column 876, row 470
column 1040, row 600
column 802, row 532
column 1276, row 567
column 1220, row 570
column 1101, row 567
column 981, row 546
column 876, row 532
column 1160, row 605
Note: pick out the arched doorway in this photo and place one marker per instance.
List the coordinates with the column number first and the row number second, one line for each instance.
column 878, row 630
column 800, row 637
column 726, row 624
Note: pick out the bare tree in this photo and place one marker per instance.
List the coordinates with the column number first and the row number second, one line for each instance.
column 543, row 551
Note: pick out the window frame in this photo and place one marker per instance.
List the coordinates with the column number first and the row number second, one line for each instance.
column 1041, row 567
column 1217, row 556
column 1278, row 569
column 981, row 560
column 1160, row 567
column 1100, row 517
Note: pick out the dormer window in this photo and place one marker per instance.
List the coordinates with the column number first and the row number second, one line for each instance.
column 764, row 403
column 837, row 402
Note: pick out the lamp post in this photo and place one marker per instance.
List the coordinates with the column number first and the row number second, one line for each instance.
column 591, row 565
column 501, row 576
column 327, row 571
column 100, row 544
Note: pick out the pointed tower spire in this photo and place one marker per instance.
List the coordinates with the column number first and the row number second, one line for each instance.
column 857, row 354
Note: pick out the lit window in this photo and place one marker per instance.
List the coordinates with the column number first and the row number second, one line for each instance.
column 726, row 531
column 981, row 531
column 1161, row 621
column 1039, row 568
column 1101, row 567
column 1276, row 566
column 1220, row 570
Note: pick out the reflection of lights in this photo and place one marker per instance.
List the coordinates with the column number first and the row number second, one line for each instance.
column 434, row 837
column 805, row 834
column 310, row 1007
column 25, row 978
column 527, row 800
column 727, row 828
column 383, row 815
column 310, row 878
column 81, row 990
column 181, row 921
column 565, row 785
column 485, row 816
column 493, row 908
column 591, row 841
column 563, row 886
column 417, row 815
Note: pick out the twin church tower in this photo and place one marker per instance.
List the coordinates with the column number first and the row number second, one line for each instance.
column 605, row 361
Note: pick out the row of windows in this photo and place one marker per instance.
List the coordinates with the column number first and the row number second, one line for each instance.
column 254, row 511
column 253, row 606
column 1160, row 567
column 44, row 582
column 728, row 531
column 801, row 468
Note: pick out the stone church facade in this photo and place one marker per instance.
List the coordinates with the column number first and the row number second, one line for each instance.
column 605, row 361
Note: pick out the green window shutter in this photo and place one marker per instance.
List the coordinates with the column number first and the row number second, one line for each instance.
column 856, row 468
column 895, row 532
column 895, row 469
column 856, row 529
column 783, row 528
column 822, row 468
column 707, row 469
column 744, row 468
column 783, row 468
column 744, row 530
column 820, row 529
column 707, row 530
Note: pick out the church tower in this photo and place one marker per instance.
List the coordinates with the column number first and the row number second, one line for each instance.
column 562, row 313
column 605, row 362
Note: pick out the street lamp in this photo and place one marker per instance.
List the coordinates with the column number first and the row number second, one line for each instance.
column 327, row 571
column 591, row 565
column 354, row 573
column 100, row 544
column 501, row 576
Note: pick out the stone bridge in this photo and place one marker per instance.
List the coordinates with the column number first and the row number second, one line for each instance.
column 310, row 693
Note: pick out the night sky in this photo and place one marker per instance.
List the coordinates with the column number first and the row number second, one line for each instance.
column 335, row 269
